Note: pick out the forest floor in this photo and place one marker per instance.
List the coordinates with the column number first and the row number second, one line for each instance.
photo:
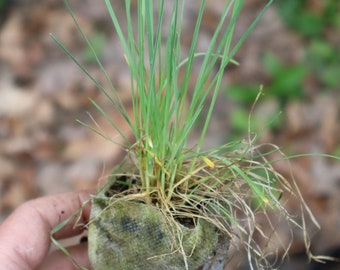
column 43, row 150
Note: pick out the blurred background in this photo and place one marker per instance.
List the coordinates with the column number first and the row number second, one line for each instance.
column 294, row 52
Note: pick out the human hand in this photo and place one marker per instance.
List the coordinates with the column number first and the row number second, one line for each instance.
column 25, row 234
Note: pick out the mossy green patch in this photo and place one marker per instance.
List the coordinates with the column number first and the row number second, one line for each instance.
column 131, row 235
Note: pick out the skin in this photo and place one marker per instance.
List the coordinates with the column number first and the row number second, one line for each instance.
column 25, row 234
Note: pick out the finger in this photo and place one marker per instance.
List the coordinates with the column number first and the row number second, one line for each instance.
column 25, row 235
column 65, row 210
column 58, row 260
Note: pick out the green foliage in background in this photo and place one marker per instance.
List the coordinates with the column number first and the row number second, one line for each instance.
column 3, row 4
column 285, row 84
column 320, row 62
column 322, row 55
column 308, row 23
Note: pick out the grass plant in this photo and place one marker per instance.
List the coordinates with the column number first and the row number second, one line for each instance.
column 226, row 185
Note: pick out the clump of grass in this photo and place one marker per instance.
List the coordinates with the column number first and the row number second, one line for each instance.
column 162, row 119
column 226, row 185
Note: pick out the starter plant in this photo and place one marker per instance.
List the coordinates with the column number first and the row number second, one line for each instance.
column 171, row 204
